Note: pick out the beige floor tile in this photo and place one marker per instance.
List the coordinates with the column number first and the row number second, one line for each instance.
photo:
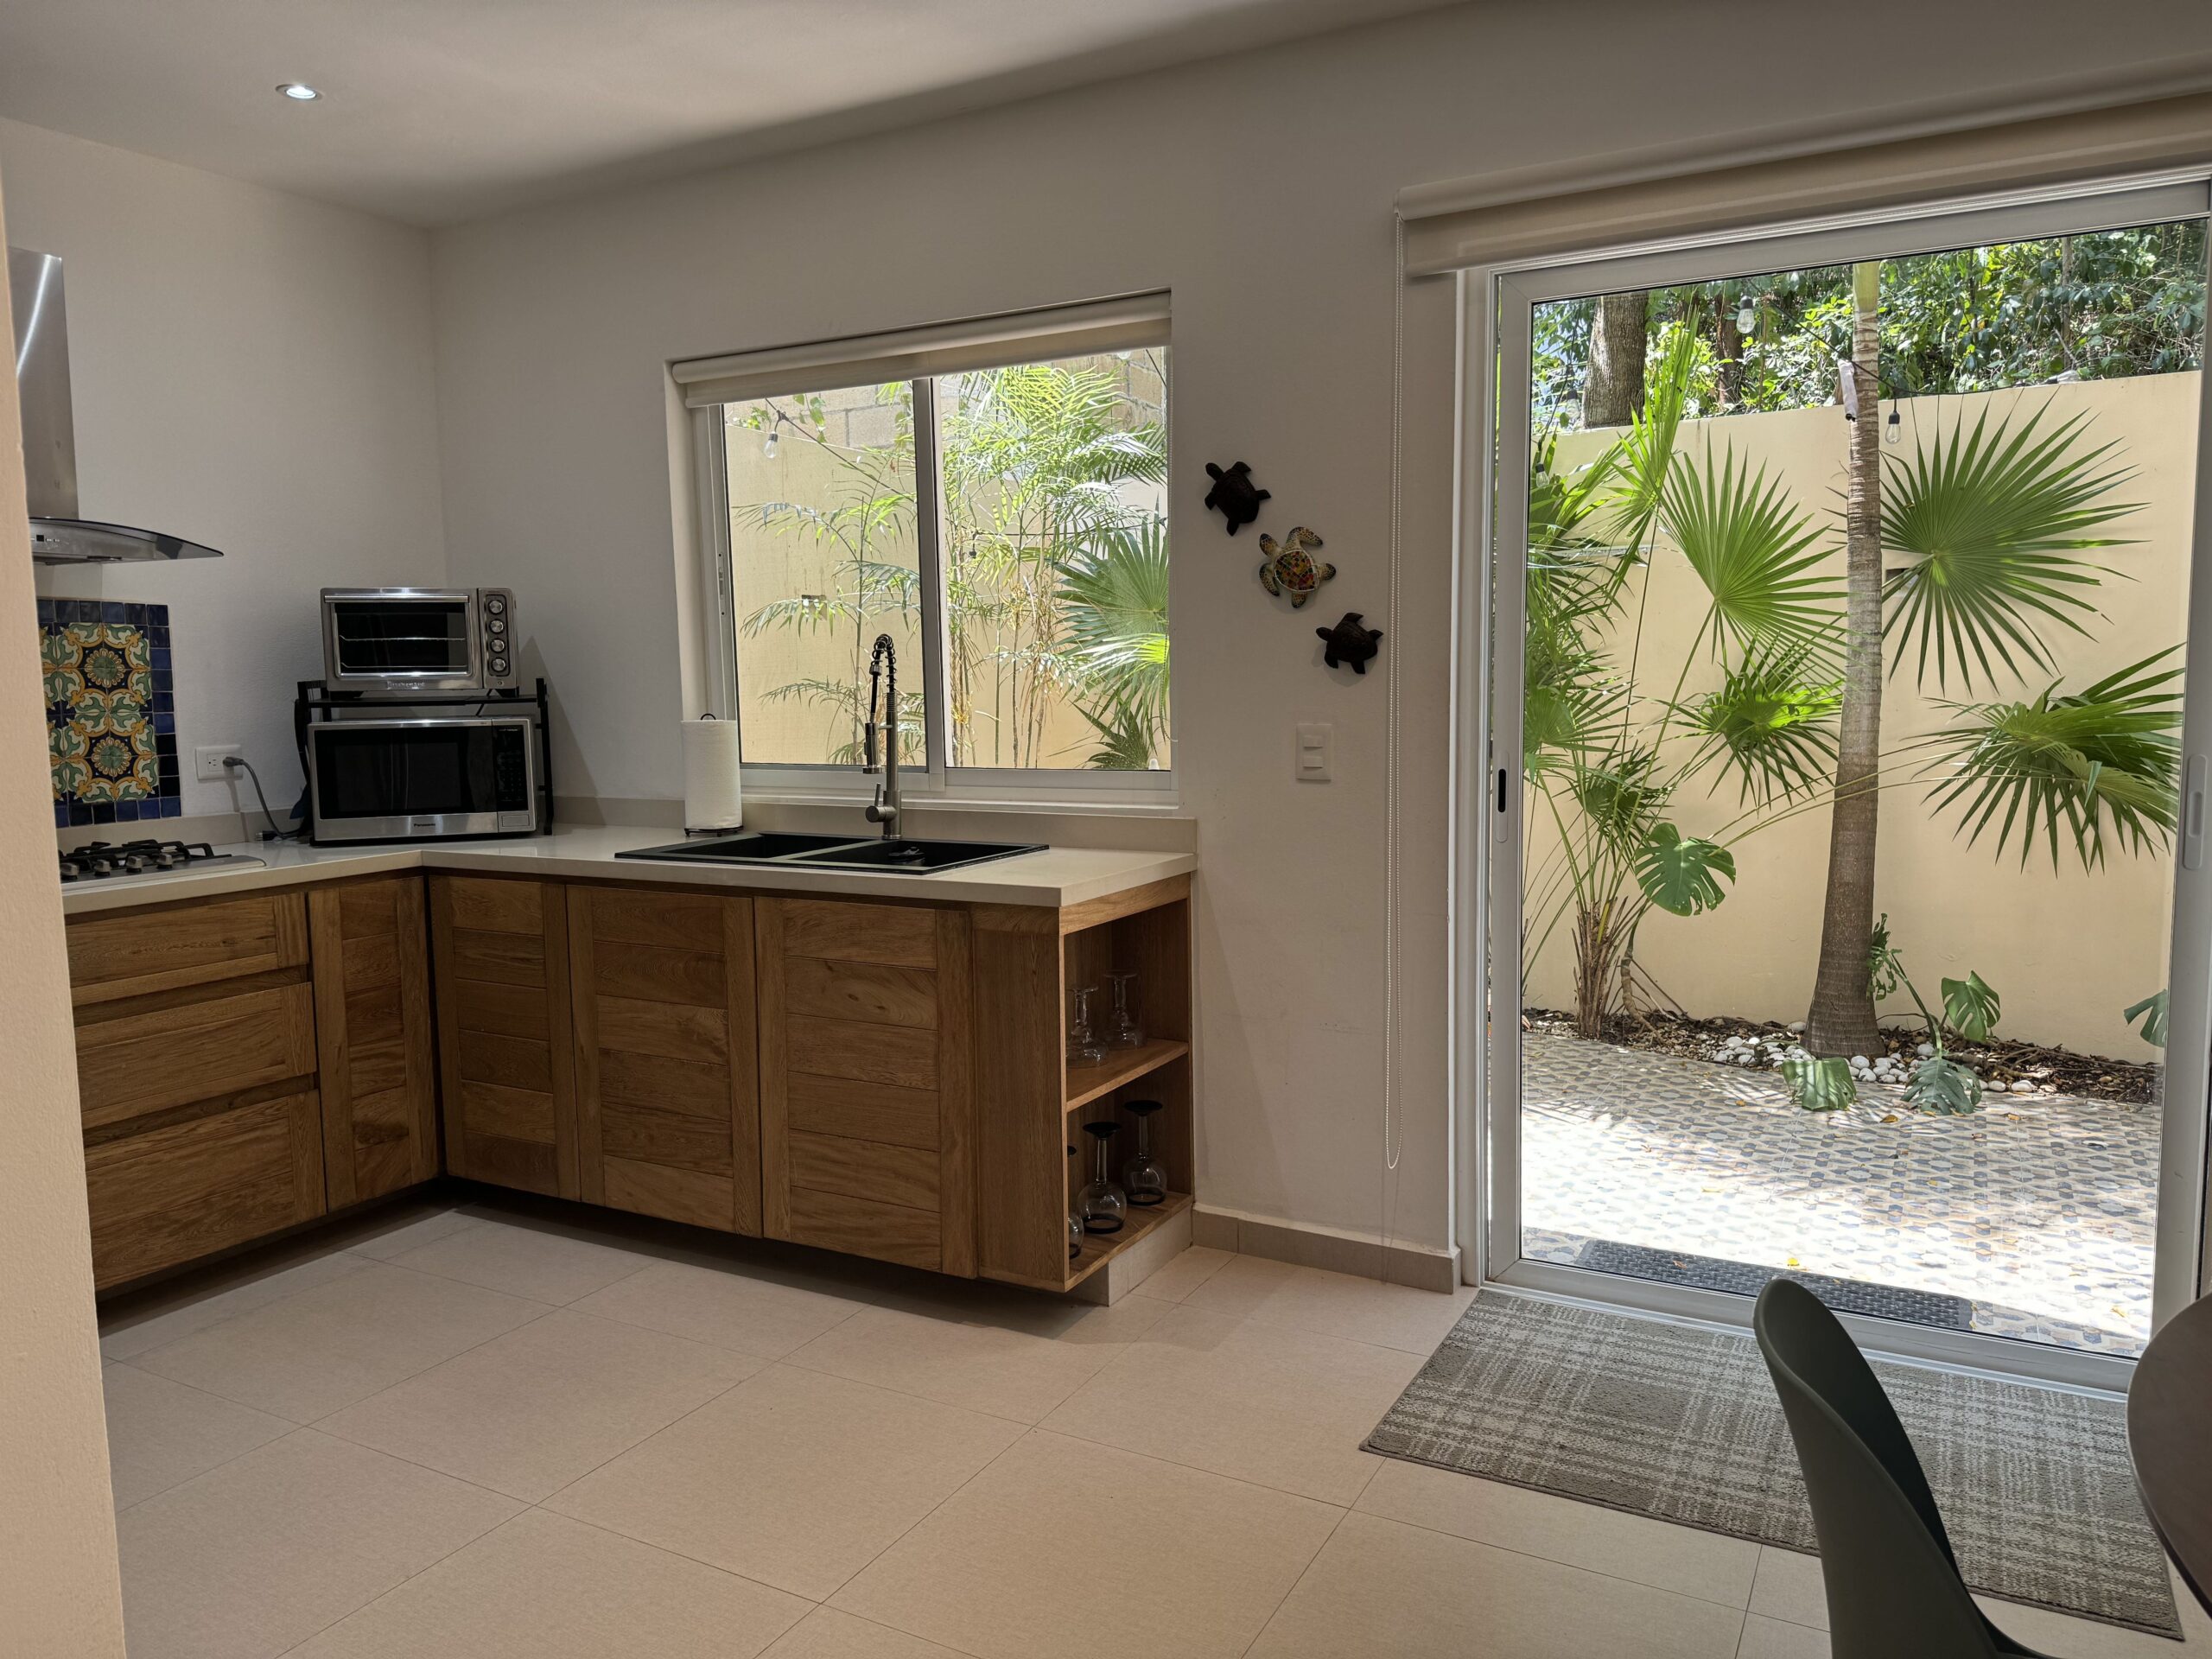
column 318, row 1350
column 1179, row 1277
column 388, row 1233
column 825, row 1633
column 543, row 1586
column 1285, row 1408
column 529, row 1411
column 250, row 1559
column 1789, row 1587
column 1330, row 1303
column 720, row 1304
column 544, row 1265
column 1771, row 1638
column 200, row 1302
column 978, row 1365
column 1026, row 1560
column 1634, row 1547
column 795, row 1478
column 1380, row 1588
column 160, row 1433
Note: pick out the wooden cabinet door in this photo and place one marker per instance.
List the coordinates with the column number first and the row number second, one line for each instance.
column 372, row 1032
column 867, row 1108
column 500, row 959
column 667, row 1066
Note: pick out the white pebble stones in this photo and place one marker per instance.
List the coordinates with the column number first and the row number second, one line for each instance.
column 1755, row 1051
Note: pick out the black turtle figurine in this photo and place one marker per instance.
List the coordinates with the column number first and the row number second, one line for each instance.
column 1352, row 642
column 1234, row 495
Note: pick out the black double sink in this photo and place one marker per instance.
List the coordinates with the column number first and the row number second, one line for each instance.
column 897, row 856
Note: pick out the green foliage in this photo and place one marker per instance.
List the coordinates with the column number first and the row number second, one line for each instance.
column 1682, row 875
column 1819, row 1085
column 1113, row 598
column 2101, row 760
column 1992, row 519
column 1939, row 1084
column 1970, row 1007
column 1772, row 719
column 1758, row 556
column 2151, row 1010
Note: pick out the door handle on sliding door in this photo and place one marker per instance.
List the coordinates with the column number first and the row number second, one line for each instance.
column 2192, row 814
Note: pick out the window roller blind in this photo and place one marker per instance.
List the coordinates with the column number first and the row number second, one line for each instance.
column 1116, row 325
column 1451, row 226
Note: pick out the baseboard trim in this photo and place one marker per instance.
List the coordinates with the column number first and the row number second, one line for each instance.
column 1306, row 1246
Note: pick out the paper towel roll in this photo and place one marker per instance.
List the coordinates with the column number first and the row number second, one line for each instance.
column 714, row 789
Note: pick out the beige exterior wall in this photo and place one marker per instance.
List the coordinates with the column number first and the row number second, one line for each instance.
column 2066, row 951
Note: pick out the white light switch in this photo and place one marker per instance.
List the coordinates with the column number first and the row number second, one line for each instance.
column 1315, row 740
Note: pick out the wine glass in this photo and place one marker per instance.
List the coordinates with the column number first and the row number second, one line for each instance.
column 1145, row 1176
column 1104, row 1203
column 1084, row 1046
column 1075, row 1224
column 1122, row 1030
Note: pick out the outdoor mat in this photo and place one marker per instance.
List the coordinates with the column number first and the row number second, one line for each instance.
column 1713, row 1272
column 1681, row 1424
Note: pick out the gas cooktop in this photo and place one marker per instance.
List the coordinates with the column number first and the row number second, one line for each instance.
column 101, row 861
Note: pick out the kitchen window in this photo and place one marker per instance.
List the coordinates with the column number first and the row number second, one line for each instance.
column 993, row 497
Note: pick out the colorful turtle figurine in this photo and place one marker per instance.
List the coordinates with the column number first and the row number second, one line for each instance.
column 1234, row 495
column 1291, row 567
column 1350, row 642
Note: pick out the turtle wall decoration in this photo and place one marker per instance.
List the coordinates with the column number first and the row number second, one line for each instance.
column 1351, row 643
column 1234, row 495
column 1291, row 567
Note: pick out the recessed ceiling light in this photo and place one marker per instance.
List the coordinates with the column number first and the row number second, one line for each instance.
column 300, row 91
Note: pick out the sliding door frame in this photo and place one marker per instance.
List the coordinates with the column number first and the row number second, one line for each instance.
column 1497, row 305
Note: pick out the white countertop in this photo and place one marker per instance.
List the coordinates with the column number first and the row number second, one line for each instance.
column 1058, row 877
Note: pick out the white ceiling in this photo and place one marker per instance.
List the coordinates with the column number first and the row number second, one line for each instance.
column 436, row 110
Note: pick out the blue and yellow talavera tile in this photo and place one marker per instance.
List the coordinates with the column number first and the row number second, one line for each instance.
column 109, row 711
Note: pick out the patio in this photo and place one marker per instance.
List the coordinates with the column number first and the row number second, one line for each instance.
column 2036, row 1213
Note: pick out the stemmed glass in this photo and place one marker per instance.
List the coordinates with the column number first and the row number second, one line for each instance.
column 1144, row 1175
column 1122, row 1030
column 1084, row 1046
column 1104, row 1203
column 1075, row 1224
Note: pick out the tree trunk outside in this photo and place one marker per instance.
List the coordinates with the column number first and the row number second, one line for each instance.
column 1615, row 390
column 1842, row 1022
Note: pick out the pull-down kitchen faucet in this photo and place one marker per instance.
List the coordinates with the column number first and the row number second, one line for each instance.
column 885, row 809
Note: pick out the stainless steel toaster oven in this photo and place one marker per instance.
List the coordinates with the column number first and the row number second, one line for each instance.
column 393, row 640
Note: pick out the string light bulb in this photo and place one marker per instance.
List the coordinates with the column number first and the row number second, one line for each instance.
column 768, row 448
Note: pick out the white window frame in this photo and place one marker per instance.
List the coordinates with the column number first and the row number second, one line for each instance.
column 917, row 357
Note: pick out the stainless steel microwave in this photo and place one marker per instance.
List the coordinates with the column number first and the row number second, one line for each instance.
column 400, row 639
column 421, row 779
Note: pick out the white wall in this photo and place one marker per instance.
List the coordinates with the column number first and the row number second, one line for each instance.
column 59, row 1591
column 253, row 371
column 1259, row 190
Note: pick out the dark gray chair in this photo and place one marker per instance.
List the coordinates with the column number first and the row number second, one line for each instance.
column 1893, row 1585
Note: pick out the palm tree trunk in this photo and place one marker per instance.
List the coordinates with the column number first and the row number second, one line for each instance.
column 1841, row 1020
column 1614, row 390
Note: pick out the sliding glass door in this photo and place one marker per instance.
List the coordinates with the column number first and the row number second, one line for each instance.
column 1842, row 824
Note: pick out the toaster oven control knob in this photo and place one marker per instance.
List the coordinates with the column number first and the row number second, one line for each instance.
column 494, row 605
column 499, row 664
column 498, row 626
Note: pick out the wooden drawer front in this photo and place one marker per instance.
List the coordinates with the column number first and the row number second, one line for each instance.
column 501, row 949
column 134, row 952
column 903, row 936
column 172, row 1194
column 372, row 1026
column 865, row 1089
column 890, row 1232
column 666, row 1069
column 194, row 1050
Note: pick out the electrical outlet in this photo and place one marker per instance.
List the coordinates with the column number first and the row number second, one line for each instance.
column 208, row 761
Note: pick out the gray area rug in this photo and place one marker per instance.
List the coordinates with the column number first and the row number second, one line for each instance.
column 1681, row 1424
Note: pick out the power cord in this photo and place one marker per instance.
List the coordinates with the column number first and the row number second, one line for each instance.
column 235, row 762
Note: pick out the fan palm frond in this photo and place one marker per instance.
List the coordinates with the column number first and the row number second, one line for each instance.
column 1772, row 720
column 1113, row 599
column 1993, row 518
column 2103, row 760
column 1756, row 553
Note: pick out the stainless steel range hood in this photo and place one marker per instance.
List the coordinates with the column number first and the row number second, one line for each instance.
column 58, row 534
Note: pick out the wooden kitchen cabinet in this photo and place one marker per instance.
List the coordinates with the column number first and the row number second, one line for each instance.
column 867, row 1103
column 370, row 955
column 196, row 1066
column 667, row 1067
column 500, row 953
